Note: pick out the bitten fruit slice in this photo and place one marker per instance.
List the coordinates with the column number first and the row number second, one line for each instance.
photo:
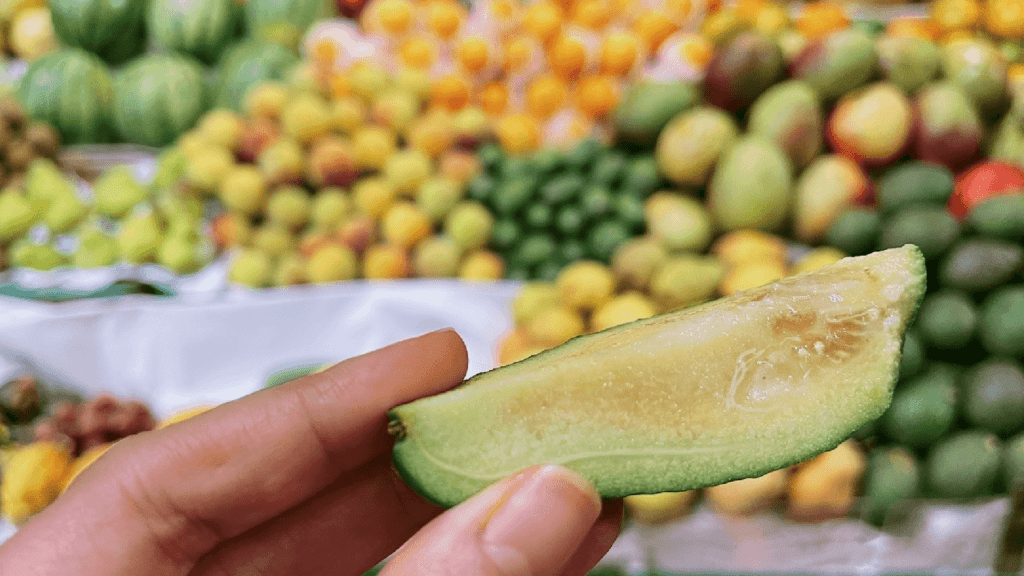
column 731, row 389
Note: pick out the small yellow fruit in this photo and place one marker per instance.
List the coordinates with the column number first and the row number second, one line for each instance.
column 744, row 245
column 330, row 207
column 243, row 189
column 306, row 117
column 222, row 127
column 374, row 196
column 405, row 225
column 482, row 266
column 386, row 262
column 751, row 275
column 818, row 258
column 533, row 298
column 348, row 114
column 585, row 285
column 252, row 268
column 266, row 100
column 750, row 495
column 372, row 146
column 273, row 239
column 289, row 206
column 332, row 263
column 290, row 270
column 659, row 508
column 34, row 476
column 553, row 326
column 208, row 167
column 622, row 309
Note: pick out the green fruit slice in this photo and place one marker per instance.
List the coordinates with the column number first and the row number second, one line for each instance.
column 731, row 389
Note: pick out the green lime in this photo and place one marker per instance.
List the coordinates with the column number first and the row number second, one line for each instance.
column 596, row 202
column 923, row 409
column 993, row 396
column 1013, row 463
column 548, row 271
column 572, row 250
column 641, row 178
column 855, row 231
column 912, row 359
column 947, row 319
column 913, row 183
column 505, row 234
column 608, row 168
column 580, row 157
column 630, row 211
column 931, row 228
column 561, row 189
column 1001, row 217
column 512, row 196
column 605, row 238
column 872, row 27
column 569, row 221
column 482, row 188
column 1001, row 326
column 539, row 216
column 514, row 167
column 980, row 264
column 490, row 156
column 893, row 476
column 965, row 465
column 535, row 249
column 517, row 273
column 546, row 161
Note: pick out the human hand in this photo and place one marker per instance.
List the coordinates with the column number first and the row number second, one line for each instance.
column 297, row 479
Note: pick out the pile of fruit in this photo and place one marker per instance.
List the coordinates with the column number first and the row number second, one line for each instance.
column 343, row 175
column 50, row 435
column 50, row 221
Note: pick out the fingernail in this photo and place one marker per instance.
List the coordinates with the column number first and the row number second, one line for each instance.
column 538, row 527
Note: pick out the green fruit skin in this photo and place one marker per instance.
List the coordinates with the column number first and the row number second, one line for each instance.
column 993, row 396
column 648, row 107
column 914, row 183
column 790, row 115
column 838, row 64
column 930, row 228
column 752, row 187
column 912, row 359
column 909, row 63
column 158, row 98
column 1013, row 463
column 283, row 22
column 1001, row 218
column 855, row 231
column 451, row 446
column 247, row 64
column 893, row 476
column 199, row 28
column 1001, row 323
column 71, row 90
column 691, row 144
column 980, row 264
column 923, row 409
column 947, row 320
column 965, row 465
column 113, row 30
column 978, row 69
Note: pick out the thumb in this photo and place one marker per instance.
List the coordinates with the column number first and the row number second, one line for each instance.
column 528, row 525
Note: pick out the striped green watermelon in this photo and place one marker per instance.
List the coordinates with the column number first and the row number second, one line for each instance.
column 73, row 91
column 202, row 29
column 114, row 30
column 157, row 98
column 248, row 63
column 284, row 21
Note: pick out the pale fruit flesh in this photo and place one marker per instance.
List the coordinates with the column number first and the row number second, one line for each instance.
column 731, row 389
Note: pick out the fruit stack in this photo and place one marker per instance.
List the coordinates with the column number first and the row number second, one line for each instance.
column 349, row 175
column 951, row 431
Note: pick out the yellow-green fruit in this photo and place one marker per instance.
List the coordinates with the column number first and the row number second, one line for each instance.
column 116, row 192
column 25, row 254
column 622, row 309
column 179, row 253
column 222, row 127
column 750, row 495
column 751, row 275
column 585, row 285
column 470, row 224
column 554, row 325
column 306, row 117
column 817, row 258
column 139, row 238
column 636, row 261
column 374, row 196
column 209, row 167
column 686, row 280
column 659, row 508
column 372, row 146
column 348, row 114
column 66, row 211
column 44, row 181
column 680, row 222
column 330, row 207
column 532, row 298
column 243, row 189
column 482, row 266
column 289, row 206
column 437, row 257
column 34, row 476
column 252, row 268
column 415, row 80
column 407, row 169
column 438, row 196
column 17, row 215
column 273, row 239
column 95, row 249
column 332, row 263
column 405, row 225
column 290, row 270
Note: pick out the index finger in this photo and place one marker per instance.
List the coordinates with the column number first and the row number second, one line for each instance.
column 238, row 465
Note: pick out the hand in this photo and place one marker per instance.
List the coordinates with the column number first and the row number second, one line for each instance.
column 297, row 479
